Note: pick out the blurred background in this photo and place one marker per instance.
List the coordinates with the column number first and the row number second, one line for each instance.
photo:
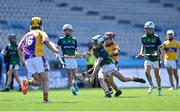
column 125, row 18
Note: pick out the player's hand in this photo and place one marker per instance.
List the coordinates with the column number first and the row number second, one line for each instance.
column 91, row 79
column 56, row 50
column 139, row 55
column 161, row 62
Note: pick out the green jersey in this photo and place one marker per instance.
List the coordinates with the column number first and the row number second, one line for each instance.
column 68, row 45
column 12, row 52
column 151, row 44
column 102, row 53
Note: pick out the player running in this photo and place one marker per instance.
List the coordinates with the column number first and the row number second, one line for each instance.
column 169, row 48
column 106, row 65
column 68, row 45
column 32, row 56
column 14, row 61
column 150, row 51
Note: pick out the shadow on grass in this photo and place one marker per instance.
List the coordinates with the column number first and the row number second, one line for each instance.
column 10, row 100
column 129, row 97
column 65, row 102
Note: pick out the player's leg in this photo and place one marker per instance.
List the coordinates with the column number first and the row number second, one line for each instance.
column 170, row 73
column 147, row 68
column 122, row 78
column 108, row 83
column 45, row 85
column 68, row 71
column 158, row 78
column 9, row 75
column 37, row 80
column 17, row 79
column 103, row 83
column 118, row 91
column 74, row 81
column 175, row 73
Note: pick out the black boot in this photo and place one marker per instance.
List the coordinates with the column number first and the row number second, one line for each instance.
column 118, row 93
column 141, row 80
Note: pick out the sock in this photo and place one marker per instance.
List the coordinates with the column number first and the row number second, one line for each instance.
column 45, row 95
column 159, row 88
column 8, row 86
column 150, row 83
column 108, row 82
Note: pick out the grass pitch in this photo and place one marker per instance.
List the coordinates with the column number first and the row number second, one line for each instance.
column 91, row 100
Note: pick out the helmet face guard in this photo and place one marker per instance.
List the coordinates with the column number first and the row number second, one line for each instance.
column 97, row 40
column 67, row 27
column 110, row 35
column 170, row 34
column 12, row 38
column 149, row 25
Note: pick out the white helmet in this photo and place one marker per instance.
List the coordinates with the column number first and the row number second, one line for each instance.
column 98, row 39
column 67, row 26
column 149, row 24
column 170, row 32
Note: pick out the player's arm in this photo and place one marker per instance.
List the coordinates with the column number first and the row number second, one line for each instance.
column 96, row 66
column 20, row 49
column 4, row 51
column 178, row 45
column 162, row 52
column 115, row 52
column 141, row 51
column 48, row 43
column 51, row 46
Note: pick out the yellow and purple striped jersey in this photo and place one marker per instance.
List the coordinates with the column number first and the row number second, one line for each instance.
column 32, row 43
column 111, row 48
column 170, row 49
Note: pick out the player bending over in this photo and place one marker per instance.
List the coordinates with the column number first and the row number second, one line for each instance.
column 106, row 65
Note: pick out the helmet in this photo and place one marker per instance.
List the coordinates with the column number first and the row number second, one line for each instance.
column 110, row 35
column 98, row 39
column 149, row 24
column 67, row 26
column 170, row 32
column 12, row 36
column 36, row 22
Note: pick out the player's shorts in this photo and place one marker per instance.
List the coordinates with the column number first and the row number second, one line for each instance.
column 14, row 67
column 70, row 63
column 107, row 70
column 170, row 64
column 153, row 64
column 37, row 65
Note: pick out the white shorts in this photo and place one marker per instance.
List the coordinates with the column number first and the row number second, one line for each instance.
column 170, row 64
column 14, row 67
column 153, row 64
column 70, row 63
column 37, row 65
column 107, row 70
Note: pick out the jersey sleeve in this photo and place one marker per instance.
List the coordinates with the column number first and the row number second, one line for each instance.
column 142, row 40
column 117, row 47
column 178, row 44
column 22, row 43
column 59, row 43
column 44, row 37
column 76, row 44
column 158, row 41
column 6, row 49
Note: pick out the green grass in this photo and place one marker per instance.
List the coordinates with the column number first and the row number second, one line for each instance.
column 91, row 100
